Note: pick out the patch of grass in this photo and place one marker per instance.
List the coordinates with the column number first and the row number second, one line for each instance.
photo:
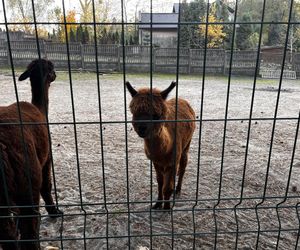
column 86, row 76
column 8, row 71
column 250, row 80
column 76, row 75
column 89, row 75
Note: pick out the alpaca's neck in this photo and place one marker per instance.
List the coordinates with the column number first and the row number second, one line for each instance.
column 161, row 142
column 40, row 98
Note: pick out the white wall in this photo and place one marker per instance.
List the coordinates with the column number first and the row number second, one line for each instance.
column 160, row 38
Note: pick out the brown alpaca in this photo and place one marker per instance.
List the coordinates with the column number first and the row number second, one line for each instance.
column 25, row 172
column 159, row 137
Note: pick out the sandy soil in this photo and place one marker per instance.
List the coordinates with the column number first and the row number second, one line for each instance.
column 82, row 167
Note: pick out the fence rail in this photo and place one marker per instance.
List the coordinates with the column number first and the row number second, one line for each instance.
column 137, row 58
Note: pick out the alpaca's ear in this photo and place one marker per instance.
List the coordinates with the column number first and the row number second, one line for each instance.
column 131, row 90
column 164, row 94
column 24, row 75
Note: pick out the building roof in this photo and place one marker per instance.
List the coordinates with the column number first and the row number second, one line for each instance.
column 158, row 20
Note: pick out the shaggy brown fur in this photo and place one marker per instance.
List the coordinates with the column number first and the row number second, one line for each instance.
column 159, row 137
column 25, row 172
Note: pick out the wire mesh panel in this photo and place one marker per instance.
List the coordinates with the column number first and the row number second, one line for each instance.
column 110, row 179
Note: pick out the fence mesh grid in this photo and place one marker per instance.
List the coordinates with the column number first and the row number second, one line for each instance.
column 236, row 192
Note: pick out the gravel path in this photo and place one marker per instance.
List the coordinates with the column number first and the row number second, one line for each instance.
column 96, row 166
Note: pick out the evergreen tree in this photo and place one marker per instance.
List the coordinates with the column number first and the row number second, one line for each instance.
column 136, row 38
column 72, row 36
column 191, row 12
column 275, row 31
column 113, row 38
column 109, row 37
column 53, row 36
column 222, row 13
column 275, row 11
column 83, row 37
column 296, row 38
column 244, row 32
column 79, row 34
column 86, row 36
column 104, row 36
column 131, row 42
column 117, row 38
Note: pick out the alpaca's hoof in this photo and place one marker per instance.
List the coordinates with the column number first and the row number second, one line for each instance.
column 55, row 213
column 167, row 206
column 178, row 193
column 157, row 205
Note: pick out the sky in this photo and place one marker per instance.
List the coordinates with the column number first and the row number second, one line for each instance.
column 158, row 5
column 132, row 5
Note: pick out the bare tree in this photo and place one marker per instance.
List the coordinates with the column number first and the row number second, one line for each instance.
column 102, row 9
column 86, row 10
column 22, row 11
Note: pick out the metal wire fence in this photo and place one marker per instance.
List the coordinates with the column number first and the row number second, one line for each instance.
column 242, row 184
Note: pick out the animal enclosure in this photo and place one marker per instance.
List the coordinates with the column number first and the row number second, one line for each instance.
column 241, row 189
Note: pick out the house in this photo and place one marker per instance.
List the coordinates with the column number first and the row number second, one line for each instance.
column 13, row 35
column 164, row 26
column 16, row 36
column 164, row 29
column 274, row 54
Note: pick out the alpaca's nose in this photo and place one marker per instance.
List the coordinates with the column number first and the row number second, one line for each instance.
column 142, row 130
column 52, row 76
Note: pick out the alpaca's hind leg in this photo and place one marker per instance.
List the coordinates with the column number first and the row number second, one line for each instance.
column 29, row 223
column 46, row 191
column 182, row 167
column 159, row 178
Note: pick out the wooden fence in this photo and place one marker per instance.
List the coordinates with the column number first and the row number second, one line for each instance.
column 137, row 58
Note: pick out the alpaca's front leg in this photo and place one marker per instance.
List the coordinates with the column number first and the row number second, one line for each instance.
column 29, row 228
column 8, row 231
column 168, row 186
column 46, row 191
column 160, row 179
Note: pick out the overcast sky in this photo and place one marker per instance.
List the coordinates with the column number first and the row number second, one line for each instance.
column 158, row 5
column 131, row 5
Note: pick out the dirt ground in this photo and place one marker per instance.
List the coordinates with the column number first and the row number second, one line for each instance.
column 100, row 177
